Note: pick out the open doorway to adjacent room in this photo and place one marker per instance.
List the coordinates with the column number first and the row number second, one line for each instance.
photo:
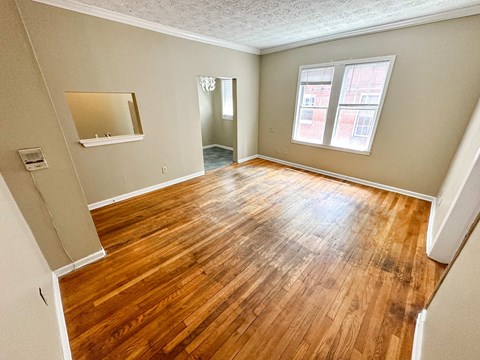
column 217, row 101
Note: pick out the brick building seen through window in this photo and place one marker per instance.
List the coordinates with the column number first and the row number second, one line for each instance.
column 360, row 96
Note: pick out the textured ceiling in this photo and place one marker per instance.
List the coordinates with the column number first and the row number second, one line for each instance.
column 268, row 23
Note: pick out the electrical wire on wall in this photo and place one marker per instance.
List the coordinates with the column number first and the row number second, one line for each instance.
column 52, row 219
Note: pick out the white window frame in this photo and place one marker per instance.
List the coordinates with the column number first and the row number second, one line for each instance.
column 224, row 115
column 334, row 106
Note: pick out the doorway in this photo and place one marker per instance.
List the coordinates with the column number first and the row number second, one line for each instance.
column 217, row 101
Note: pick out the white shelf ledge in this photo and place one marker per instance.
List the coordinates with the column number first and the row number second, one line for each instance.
column 110, row 140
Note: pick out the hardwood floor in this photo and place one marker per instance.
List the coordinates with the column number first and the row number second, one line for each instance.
column 254, row 261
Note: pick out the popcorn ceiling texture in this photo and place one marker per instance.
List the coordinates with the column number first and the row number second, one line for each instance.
column 268, row 23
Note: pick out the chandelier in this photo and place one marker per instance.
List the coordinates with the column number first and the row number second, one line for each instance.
column 208, row 83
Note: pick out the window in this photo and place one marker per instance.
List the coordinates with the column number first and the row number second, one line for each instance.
column 364, row 123
column 338, row 104
column 308, row 100
column 313, row 98
column 227, row 99
column 306, row 116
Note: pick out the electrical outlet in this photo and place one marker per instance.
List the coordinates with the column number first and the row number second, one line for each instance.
column 271, row 131
column 285, row 151
column 164, row 169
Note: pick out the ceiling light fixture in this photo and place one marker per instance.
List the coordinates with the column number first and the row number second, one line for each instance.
column 208, row 83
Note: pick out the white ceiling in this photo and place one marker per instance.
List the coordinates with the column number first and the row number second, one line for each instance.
column 264, row 24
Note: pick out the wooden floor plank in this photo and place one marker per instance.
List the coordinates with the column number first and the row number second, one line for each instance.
column 254, row 261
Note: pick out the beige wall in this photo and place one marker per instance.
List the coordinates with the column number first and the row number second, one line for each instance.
column 461, row 163
column 223, row 129
column 96, row 114
column 205, row 102
column 29, row 328
column 433, row 90
column 215, row 130
column 455, row 207
column 28, row 120
column 451, row 328
column 83, row 53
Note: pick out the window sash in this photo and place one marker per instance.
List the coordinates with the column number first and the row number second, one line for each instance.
column 334, row 107
column 227, row 99
column 363, row 122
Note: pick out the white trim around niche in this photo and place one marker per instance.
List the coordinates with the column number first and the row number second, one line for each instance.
column 111, row 140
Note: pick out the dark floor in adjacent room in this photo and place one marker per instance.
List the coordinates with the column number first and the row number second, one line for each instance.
column 216, row 157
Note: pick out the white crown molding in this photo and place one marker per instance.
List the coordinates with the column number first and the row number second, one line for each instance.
column 145, row 24
column 352, row 179
column 129, row 195
column 421, row 20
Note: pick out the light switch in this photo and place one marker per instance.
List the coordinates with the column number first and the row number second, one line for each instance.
column 33, row 159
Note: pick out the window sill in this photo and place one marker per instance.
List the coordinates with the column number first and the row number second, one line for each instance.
column 230, row 118
column 329, row 147
column 110, row 140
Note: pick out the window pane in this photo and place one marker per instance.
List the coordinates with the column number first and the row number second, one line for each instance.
column 312, row 112
column 311, row 125
column 354, row 129
column 324, row 74
column 227, row 99
column 306, row 116
column 363, row 83
column 308, row 100
column 316, row 95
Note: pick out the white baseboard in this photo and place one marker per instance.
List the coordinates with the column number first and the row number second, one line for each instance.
column 80, row 263
column 129, row 195
column 418, row 336
column 219, row 146
column 431, row 219
column 62, row 326
column 242, row 160
column 351, row 179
